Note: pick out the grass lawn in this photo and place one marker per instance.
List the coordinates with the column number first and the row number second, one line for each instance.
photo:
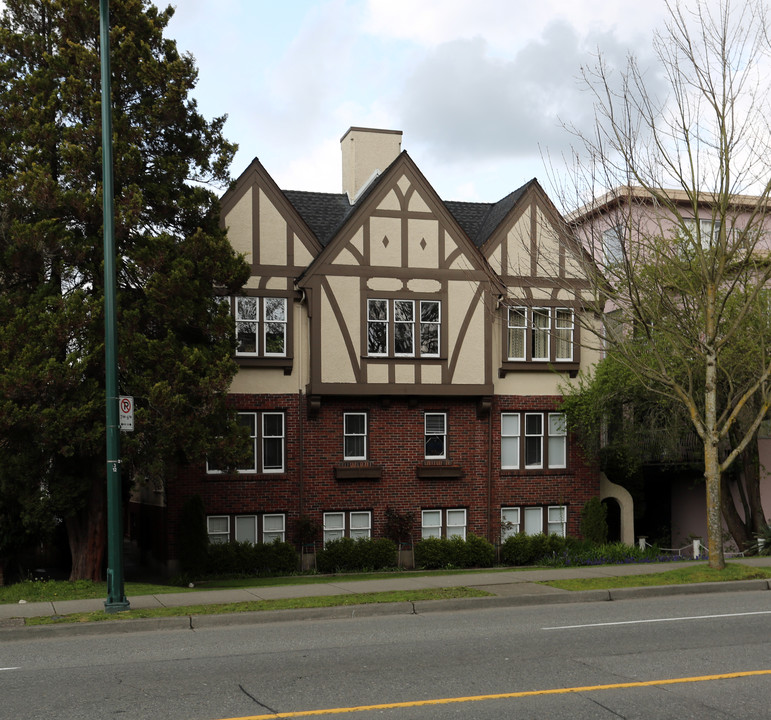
column 679, row 576
column 50, row 590
column 262, row 605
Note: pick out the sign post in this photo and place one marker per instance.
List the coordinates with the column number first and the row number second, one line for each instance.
column 126, row 413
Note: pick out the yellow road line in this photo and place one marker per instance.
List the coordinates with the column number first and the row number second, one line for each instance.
column 503, row 696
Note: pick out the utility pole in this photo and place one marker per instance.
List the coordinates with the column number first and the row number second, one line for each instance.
column 116, row 598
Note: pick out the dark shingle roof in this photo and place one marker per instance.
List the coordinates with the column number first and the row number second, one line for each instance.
column 323, row 212
column 326, row 212
column 479, row 220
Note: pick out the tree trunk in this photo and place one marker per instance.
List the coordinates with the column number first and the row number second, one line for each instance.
column 712, row 461
column 87, row 534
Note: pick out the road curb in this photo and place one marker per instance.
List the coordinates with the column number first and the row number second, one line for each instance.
column 351, row 612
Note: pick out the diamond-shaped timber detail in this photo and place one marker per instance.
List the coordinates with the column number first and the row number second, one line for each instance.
column 423, row 243
column 385, row 241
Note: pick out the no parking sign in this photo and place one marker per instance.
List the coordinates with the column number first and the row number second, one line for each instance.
column 126, row 412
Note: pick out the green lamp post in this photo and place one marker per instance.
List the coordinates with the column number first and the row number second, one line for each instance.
column 116, row 597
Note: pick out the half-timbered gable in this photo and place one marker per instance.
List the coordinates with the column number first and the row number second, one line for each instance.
column 539, row 263
column 399, row 298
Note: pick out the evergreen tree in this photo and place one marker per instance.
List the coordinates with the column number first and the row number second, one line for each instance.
column 175, row 339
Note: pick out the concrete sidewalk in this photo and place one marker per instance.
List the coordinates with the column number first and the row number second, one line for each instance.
column 513, row 587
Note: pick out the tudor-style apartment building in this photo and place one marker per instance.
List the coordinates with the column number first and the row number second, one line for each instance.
column 398, row 351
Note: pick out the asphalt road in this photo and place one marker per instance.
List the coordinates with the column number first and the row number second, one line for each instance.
column 528, row 657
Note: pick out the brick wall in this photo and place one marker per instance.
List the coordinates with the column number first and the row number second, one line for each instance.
column 314, row 448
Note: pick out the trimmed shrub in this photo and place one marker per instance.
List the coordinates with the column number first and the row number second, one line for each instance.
column 521, row 549
column 437, row 553
column 479, row 552
column 244, row 558
column 594, row 521
column 433, row 554
column 347, row 555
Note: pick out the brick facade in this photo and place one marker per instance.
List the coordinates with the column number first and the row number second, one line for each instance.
column 314, row 450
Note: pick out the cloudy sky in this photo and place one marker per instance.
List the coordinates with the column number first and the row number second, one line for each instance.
column 479, row 87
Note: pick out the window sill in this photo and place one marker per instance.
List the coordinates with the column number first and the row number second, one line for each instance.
column 364, row 471
column 266, row 362
column 433, row 472
column 239, row 476
column 571, row 368
column 510, row 472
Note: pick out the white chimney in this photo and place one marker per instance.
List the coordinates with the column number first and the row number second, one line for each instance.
column 366, row 153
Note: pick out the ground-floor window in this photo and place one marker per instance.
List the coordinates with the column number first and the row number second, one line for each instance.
column 443, row 523
column 533, row 520
column 265, row 528
column 353, row 524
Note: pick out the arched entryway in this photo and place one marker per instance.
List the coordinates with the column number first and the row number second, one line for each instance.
column 613, row 517
column 623, row 501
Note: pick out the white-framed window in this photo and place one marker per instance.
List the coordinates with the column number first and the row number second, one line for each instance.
column 355, row 436
column 267, row 442
column 354, row 524
column 377, row 327
column 522, row 439
column 612, row 245
column 247, row 323
column 533, row 440
column 556, row 520
column 448, row 523
column 249, row 420
column 403, row 328
column 510, row 522
column 334, row 526
column 456, row 523
column 431, row 524
column 533, row 520
column 218, row 528
column 510, row 440
column 274, row 325
column 540, row 334
column 273, row 527
column 435, row 430
column 703, row 232
column 517, row 333
column 272, row 442
column 250, row 312
column 558, row 436
column 430, row 327
column 563, row 334
column 360, row 524
column 247, row 528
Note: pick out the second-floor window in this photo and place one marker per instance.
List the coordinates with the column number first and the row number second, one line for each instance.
column 542, row 334
column 435, row 435
column 533, row 441
column 355, row 436
column 260, row 326
column 266, row 435
column 403, row 328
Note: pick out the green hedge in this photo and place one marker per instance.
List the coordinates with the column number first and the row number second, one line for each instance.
column 557, row 551
column 347, row 555
column 521, row 549
column 245, row 558
column 437, row 553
